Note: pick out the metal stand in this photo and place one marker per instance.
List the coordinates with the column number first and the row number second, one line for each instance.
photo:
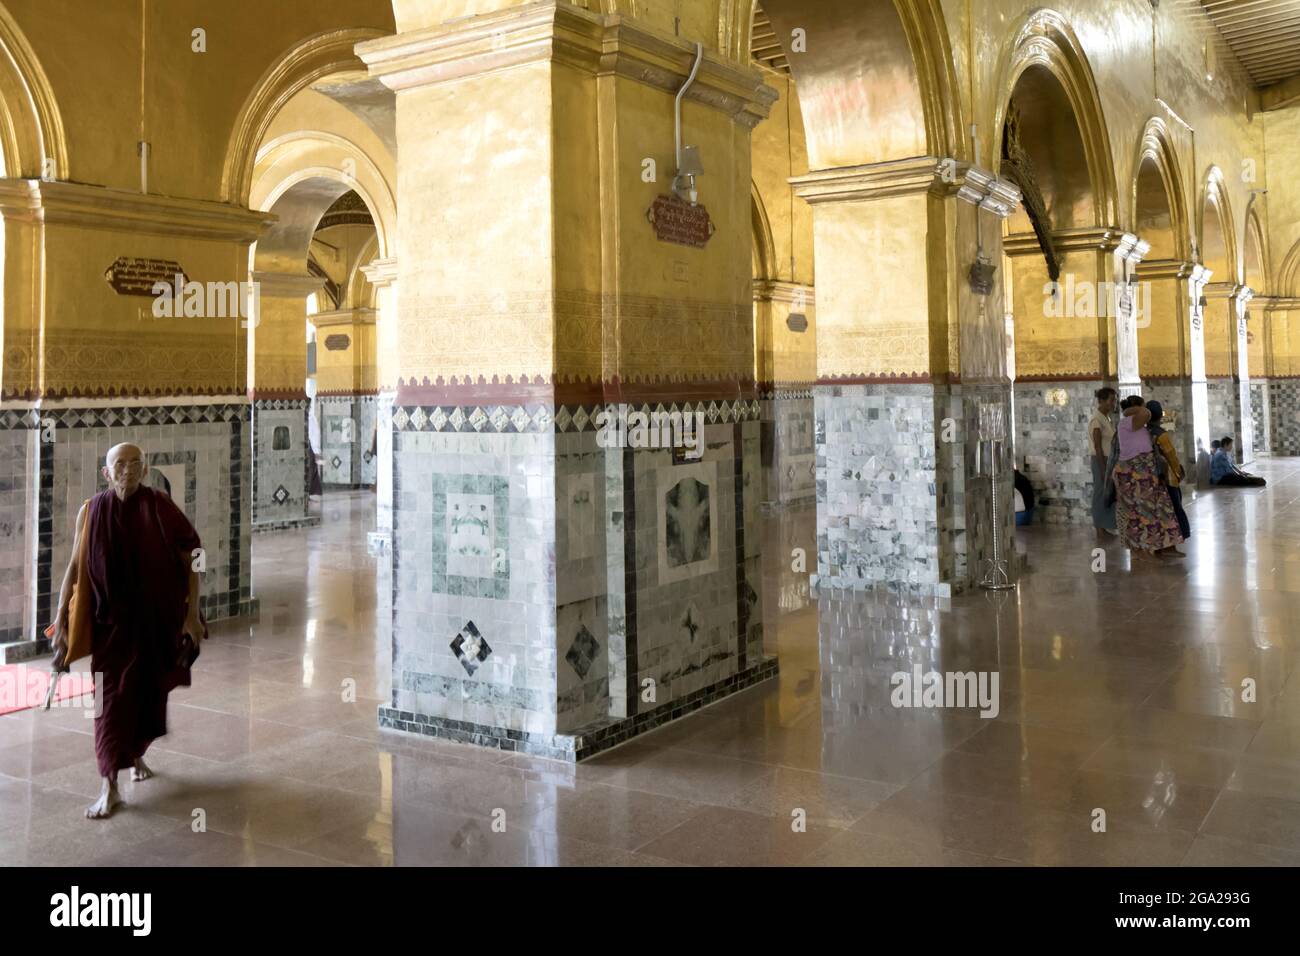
column 996, row 577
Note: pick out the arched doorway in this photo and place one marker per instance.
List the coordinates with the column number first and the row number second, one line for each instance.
column 1063, row 256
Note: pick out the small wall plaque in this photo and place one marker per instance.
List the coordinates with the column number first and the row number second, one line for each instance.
column 337, row 342
column 132, row 276
column 796, row 322
column 680, row 222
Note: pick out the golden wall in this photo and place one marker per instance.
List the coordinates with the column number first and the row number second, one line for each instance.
column 783, row 266
column 543, row 174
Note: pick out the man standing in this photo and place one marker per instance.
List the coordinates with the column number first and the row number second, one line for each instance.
column 144, row 596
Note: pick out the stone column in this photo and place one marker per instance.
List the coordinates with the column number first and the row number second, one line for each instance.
column 1283, row 329
column 1069, row 342
column 1127, row 311
column 787, row 365
column 1245, row 424
column 1171, row 349
column 1201, row 426
column 557, row 590
column 277, row 378
column 382, row 274
column 911, row 357
column 1220, row 323
column 89, row 362
column 345, row 393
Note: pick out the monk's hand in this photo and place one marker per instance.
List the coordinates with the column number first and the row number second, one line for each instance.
column 194, row 628
column 59, row 643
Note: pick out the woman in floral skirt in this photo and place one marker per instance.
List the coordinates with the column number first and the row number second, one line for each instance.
column 1144, row 515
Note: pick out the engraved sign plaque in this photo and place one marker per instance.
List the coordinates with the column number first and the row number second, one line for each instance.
column 337, row 343
column 680, row 222
column 132, row 276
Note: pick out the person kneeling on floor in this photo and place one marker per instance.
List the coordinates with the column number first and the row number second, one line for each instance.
column 1224, row 472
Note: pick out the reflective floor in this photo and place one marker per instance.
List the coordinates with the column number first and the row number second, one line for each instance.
column 1145, row 715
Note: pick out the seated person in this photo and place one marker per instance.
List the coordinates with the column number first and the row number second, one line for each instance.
column 1224, row 472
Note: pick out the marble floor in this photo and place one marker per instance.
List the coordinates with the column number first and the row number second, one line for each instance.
column 1121, row 690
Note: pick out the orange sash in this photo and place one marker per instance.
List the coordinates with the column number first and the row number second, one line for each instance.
column 79, row 624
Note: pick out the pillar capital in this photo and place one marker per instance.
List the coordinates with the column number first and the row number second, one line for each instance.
column 600, row 44
column 981, row 187
column 381, row 273
column 1130, row 248
column 776, row 290
column 898, row 177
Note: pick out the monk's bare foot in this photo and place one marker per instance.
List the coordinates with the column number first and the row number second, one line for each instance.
column 140, row 771
column 108, row 801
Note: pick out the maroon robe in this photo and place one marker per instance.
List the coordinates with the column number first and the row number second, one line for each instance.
column 137, row 559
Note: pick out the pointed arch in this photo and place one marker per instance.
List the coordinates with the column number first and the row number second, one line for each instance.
column 1215, row 230
column 1255, row 259
column 1155, row 151
column 1045, row 39
column 1288, row 276
column 31, row 127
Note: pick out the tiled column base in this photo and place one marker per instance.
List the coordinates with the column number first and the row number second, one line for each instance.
column 1175, row 398
column 900, row 507
column 280, row 456
column 20, row 437
column 1223, row 403
column 965, row 483
column 347, row 434
column 592, row 739
column 1051, row 447
column 380, row 539
column 1261, row 413
column 1284, row 403
column 554, row 596
column 789, row 447
column 197, row 453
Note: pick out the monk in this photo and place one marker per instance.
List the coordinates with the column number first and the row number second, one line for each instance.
column 145, row 604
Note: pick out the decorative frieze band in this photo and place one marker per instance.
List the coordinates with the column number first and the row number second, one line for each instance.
column 515, row 419
column 128, row 416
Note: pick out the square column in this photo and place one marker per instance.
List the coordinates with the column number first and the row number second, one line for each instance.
column 554, row 592
column 345, row 396
column 94, row 355
column 382, row 274
column 1282, row 326
column 1172, row 351
column 1072, row 337
column 277, row 386
column 1241, row 372
column 1223, row 401
column 787, row 366
column 912, row 391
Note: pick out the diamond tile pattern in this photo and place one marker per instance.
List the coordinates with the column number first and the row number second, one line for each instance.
column 470, row 648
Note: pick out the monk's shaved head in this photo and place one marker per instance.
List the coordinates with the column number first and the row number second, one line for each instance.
column 117, row 451
column 124, row 467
